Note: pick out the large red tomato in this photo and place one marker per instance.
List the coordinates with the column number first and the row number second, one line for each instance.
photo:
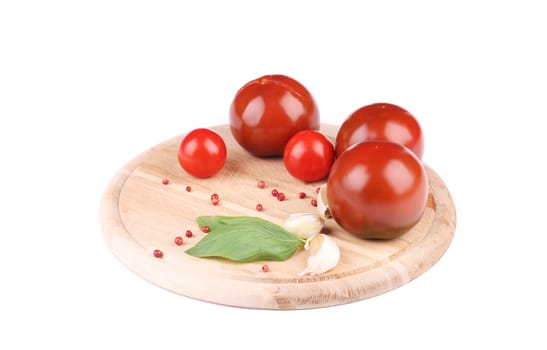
column 308, row 155
column 202, row 153
column 377, row 190
column 381, row 122
column 266, row 112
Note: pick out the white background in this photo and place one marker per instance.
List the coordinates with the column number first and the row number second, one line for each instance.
column 87, row 85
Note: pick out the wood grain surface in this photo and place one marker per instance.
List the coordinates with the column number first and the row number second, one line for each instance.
column 139, row 214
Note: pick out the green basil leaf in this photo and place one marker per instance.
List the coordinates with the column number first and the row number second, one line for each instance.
column 245, row 239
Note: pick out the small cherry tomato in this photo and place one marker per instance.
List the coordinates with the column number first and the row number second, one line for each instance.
column 202, row 153
column 377, row 190
column 308, row 156
column 381, row 122
column 266, row 112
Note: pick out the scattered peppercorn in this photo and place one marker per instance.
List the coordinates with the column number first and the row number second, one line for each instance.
column 178, row 240
column 261, row 184
column 259, row 207
column 281, row 196
column 265, row 268
column 158, row 253
column 302, row 195
column 205, row 229
column 188, row 188
column 275, row 192
column 314, row 202
column 189, row 233
column 165, row 181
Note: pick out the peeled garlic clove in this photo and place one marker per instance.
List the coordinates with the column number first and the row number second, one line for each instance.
column 304, row 225
column 324, row 255
column 322, row 202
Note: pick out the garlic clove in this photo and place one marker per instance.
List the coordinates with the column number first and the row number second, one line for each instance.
column 322, row 202
column 304, row 225
column 324, row 254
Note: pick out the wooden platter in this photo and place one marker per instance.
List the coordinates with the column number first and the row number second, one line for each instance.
column 138, row 214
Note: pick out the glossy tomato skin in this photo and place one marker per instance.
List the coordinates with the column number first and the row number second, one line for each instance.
column 308, row 155
column 381, row 122
column 266, row 112
column 377, row 190
column 202, row 153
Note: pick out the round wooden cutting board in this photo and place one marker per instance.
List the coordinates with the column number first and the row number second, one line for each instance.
column 139, row 214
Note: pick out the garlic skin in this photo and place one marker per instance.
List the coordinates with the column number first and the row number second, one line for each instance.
column 324, row 255
column 304, row 225
column 322, row 202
